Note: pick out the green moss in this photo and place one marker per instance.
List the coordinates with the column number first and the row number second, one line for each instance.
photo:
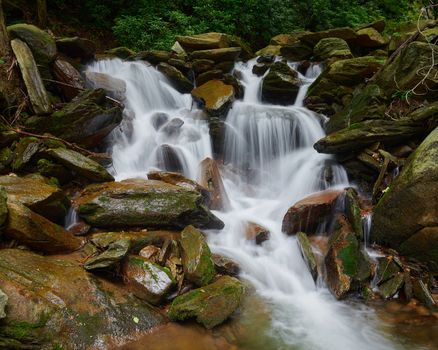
column 349, row 255
column 24, row 330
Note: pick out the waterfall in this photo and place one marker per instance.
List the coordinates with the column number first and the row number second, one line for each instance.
column 270, row 164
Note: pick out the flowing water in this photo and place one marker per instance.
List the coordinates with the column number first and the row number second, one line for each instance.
column 269, row 165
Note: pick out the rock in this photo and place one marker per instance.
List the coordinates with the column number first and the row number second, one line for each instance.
column 37, row 232
column 152, row 56
column 3, row 303
column 387, row 269
column 217, row 55
column 202, row 65
column 296, row 52
column 225, row 67
column 86, row 120
column 116, row 252
column 378, row 25
column 210, row 305
column 369, row 37
column 210, row 178
column 215, row 96
column 80, row 164
column 332, row 47
column 146, row 280
column 50, row 169
column 215, row 74
column 307, row 214
column 144, row 203
column 285, row 39
column 150, row 253
column 60, row 309
column 33, row 192
column 41, row 44
column 168, row 159
column 362, row 134
column 120, row 52
column 260, row 69
column 173, row 127
column 280, row 85
column 72, row 80
column 422, row 293
column 178, row 80
column 225, row 266
column 159, row 119
column 25, row 149
column 6, row 157
column 178, row 49
column 182, row 65
column 390, row 288
column 116, row 88
column 273, row 50
column 256, row 233
column 3, row 206
column 32, row 78
column 344, row 33
column 203, row 41
column 307, row 253
column 76, row 47
column 353, row 212
column 196, row 257
column 409, row 206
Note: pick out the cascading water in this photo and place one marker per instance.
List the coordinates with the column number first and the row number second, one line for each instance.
column 269, row 151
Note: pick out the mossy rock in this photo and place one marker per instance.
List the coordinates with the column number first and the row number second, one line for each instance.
column 210, row 305
column 120, row 52
column 370, row 37
column 76, row 47
column 215, row 96
column 353, row 212
column 176, row 77
column 297, row 51
column 3, row 206
column 332, row 47
column 281, row 84
column 217, row 55
column 308, row 255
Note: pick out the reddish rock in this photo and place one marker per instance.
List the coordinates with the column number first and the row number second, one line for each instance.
column 211, row 179
column 309, row 212
column 257, row 233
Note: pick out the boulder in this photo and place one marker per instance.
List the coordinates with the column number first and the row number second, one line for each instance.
column 50, row 169
column 280, row 85
column 217, row 55
column 41, row 44
column 80, row 164
column 35, row 231
column 196, row 257
column 406, row 216
column 182, row 65
column 360, row 135
column 256, row 233
column 298, row 51
column 210, row 305
column 215, row 96
column 422, row 293
column 31, row 76
column 344, row 33
column 353, row 212
column 3, row 205
column 168, row 158
column 52, row 304
column 144, row 203
column 76, row 47
column 71, row 79
column 370, row 37
column 286, row 39
column 116, row 88
column 146, row 280
column 273, row 50
column 210, row 178
column 159, row 119
column 332, row 47
column 202, row 65
column 152, row 56
column 225, row 266
column 203, row 41
column 114, row 253
column 390, row 287
column 178, row 80
column 37, row 195
column 307, row 214
column 120, row 52
column 387, row 269
column 215, row 74
column 307, row 253
column 378, row 25
column 25, row 149
column 86, row 120
column 260, row 69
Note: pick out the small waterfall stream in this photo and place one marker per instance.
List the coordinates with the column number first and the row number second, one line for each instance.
column 269, row 165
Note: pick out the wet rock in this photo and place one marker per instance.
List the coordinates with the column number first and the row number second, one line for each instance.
column 266, row 59
column 225, row 67
column 176, row 77
column 144, row 203
column 169, row 159
column 76, row 47
column 146, row 280
column 37, row 232
column 215, row 74
column 49, row 169
column 116, row 88
column 386, row 269
column 239, row 89
column 210, row 305
column 71, row 79
column 256, row 233
column 202, row 65
column 173, row 126
column 210, row 178
column 3, row 303
column 86, row 120
column 217, row 55
column 215, row 96
column 296, row 52
column 422, row 293
column 159, row 119
column 41, row 44
column 410, row 206
column 260, row 69
column 152, row 56
column 203, row 41
column 308, row 213
column 390, row 288
column 150, row 253
column 370, row 37
column 79, row 229
column 353, row 211
column 280, row 85
column 181, row 65
column 32, row 78
column 225, row 266
column 360, row 135
column 332, row 47
column 120, row 52
column 3, row 206
column 25, row 149
column 52, row 314
column 35, row 193
column 196, row 257
column 307, row 253
column 115, row 252
column 80, row 164
column 273, row 50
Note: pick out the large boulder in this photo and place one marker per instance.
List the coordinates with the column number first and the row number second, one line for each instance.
column 215, row 96
column 144, row 203
column 297, row 51
column 52, row 304
column 41, row 43
column 406, row 216
column 35, row 231
column 178, row 80
column 332, row 47
column 203, row 41
column 344, row 33
column 37, row 195
column 71, row 82
column 210, row 305
column 217, row 55
column 370, row 37
column 281, row 84
column 116, row 88
column 210, row 178
column 31, row 76
column 76, row 47
column 86, row 120
column 196, row 257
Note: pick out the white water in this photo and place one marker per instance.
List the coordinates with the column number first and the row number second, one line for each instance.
column 270, row 164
